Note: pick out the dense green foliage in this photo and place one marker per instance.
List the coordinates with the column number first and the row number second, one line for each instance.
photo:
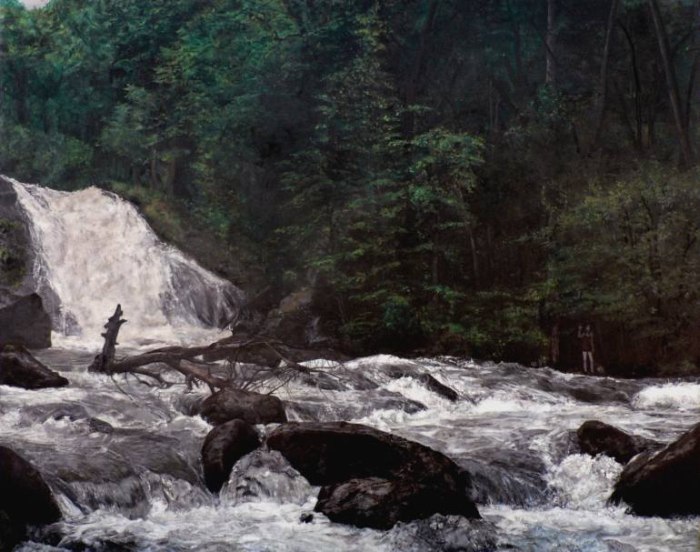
column 462, row 174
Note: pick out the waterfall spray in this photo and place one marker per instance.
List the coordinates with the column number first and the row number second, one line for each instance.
column 93, row 250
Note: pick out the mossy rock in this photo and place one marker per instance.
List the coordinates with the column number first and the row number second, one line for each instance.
column 13, row 258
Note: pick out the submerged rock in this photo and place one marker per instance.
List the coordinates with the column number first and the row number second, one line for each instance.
column 381, row 503
column 266, row 475
column 25, row 499
column 441, row 533
column 23, row 321
column 596, row 437
column 235, row 404
column 666, row 483
column 396, row 371
column 373, row 478
column 19, row 368
column 438, row 388
column 223, row 447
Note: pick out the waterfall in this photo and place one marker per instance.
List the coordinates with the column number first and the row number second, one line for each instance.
column 93, row 250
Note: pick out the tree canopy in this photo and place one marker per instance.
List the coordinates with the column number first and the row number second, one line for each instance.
column 461, row 175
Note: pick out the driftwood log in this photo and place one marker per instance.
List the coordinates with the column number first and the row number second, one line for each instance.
column 197, row 364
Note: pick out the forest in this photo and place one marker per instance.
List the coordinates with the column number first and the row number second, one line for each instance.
column 447, row 176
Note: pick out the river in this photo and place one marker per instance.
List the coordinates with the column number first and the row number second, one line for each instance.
column 122, row 457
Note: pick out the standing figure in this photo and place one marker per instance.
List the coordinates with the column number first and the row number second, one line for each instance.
column 587, row 347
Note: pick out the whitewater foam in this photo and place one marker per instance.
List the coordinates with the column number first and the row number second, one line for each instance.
column 683, row 396
column 93, row 250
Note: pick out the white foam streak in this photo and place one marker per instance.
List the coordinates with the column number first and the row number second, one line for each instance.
column 683, row 396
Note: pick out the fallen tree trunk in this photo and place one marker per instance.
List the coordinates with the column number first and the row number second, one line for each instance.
column 195, row 363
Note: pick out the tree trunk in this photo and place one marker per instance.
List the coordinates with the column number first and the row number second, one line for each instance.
column 550, row 44
column 694, row 46
column 104, row 360
column 671, row 83
column 418, row 65
column 603, row 92
column 475, row 258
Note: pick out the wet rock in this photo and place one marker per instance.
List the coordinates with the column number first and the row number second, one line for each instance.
column 332, row 452
column 306, row 517
column 325, row 409
column 15, row 243
column 441, row 533
column 54, row 411
column 232, row 404
column 266, row 475
column 321, row 380
column 380, row 503
column 24, row 321
column 392, row 477
column 19, row 368
column 507, row 476
column 596, row 437
column 223, row 447
column 396, row 371
column 402, row 370
column 666, row 483
column 583, row 389
column 438, row 388
column 25, row 499
column 100, row 426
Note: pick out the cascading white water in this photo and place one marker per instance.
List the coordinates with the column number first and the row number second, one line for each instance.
column 135, row 486
column 94, row 250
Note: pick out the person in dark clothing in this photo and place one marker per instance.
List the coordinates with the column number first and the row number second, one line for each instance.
column 587, row 348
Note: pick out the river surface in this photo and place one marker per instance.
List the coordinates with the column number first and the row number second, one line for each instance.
column 123, row 458
column 137, row 485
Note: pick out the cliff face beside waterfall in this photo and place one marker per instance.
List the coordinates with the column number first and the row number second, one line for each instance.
column 23, row 318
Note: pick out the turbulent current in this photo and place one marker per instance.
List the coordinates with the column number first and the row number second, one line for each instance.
column 137, row 484
column 123, row 458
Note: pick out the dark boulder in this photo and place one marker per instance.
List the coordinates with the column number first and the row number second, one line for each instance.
column 19, row 368
column 25, row 499
column 235, row 404
column 390, row 470
column 381, row 503
column 438, row 388
column 596, row 437
column 396, row 371
column 332, row 452
column 223, row 447
column 24, row 321
column 666, row 483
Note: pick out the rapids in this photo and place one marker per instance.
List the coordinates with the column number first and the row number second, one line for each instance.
column 123, row 458
column 137, row 485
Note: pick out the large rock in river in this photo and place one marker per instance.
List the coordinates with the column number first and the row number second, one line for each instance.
column 332, row 452
column 373, row 478
column 666, row 483
column 235, row 404
column 25, row 499
column 223, row 447
column 381, row 503
column 19, row 368
column 596, row 437
column 23, row 321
